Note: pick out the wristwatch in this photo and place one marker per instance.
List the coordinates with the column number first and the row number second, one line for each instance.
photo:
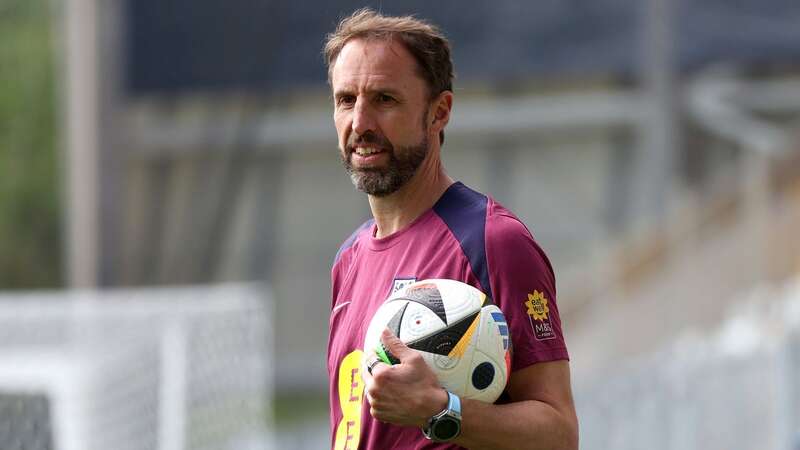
column 446, row 425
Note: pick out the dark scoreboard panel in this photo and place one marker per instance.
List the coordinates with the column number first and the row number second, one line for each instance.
column 270, row 45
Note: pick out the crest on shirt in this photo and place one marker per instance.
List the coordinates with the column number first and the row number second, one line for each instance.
column 400, row 283
column 539, row 315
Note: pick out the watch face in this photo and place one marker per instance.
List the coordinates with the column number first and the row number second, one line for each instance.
column 446, row 428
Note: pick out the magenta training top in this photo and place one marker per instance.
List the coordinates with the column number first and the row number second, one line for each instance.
column 466, row 236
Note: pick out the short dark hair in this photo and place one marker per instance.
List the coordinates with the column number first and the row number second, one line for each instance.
column 424, row 41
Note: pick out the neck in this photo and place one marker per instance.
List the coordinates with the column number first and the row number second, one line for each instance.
column 396, row 211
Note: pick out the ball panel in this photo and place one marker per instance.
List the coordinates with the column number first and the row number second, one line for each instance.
column 480, row 388
column 382, row 316
column 483, row 375
column 453, row 373
column 418, row 322
column 396, row 320
column 444, row 341
column 467, row 339
column 460, row 299
column 428, row 295
column 493, row 336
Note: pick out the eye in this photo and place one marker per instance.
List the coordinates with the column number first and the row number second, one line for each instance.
column 385, row 98
column 346, row 100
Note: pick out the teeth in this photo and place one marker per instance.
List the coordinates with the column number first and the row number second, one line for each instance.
column 364, row 151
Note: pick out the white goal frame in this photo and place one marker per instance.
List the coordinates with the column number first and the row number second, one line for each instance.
column 101, row 335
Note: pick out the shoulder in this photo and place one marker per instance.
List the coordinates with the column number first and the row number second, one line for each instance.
column 510, row 245
column 504, row 229
column 470, row 214
column 352, row 239
column 462, row 209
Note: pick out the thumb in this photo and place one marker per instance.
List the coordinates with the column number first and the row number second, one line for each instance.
column 395, row 351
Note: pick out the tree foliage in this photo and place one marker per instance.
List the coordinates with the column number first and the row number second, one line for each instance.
column 30, row 238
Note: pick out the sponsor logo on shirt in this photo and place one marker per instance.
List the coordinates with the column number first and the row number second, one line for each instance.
column 539, row 316
column 400, row 283
column 351, row 394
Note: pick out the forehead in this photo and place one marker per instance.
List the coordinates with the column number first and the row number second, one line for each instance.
column 375, row 60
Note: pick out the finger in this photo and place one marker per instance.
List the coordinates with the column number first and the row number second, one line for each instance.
column 375, row 397
column 394, row 346
column 368, row 360
column 370, row 394
column 375, row 414
column 365, row 359
column 372, row 365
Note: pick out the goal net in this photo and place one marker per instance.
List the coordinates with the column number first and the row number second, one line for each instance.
column 136, row 369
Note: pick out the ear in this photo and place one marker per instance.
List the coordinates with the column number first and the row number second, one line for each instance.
column 440, row 112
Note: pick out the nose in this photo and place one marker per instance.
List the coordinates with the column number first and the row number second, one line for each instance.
column 363, row 118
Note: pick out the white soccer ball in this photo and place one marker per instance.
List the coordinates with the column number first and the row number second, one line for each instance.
column 460, row 333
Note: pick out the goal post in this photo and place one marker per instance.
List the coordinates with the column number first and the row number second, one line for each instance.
column 173, row 368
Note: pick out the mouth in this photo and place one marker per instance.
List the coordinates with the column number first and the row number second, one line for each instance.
column 366, row 151
column 367, row 158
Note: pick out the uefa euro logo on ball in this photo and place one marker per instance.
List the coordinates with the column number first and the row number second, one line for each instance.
column 460, row 333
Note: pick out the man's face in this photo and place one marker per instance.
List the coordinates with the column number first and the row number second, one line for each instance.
column 380, row 112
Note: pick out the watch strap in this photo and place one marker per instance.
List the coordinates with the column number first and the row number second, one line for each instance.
column 454, row 403
column 451, row 413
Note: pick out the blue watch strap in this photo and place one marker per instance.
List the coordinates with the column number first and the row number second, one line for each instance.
column 451, row 414
column 453, row 403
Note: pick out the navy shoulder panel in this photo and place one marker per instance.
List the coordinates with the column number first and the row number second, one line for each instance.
column 352, row 239
column 464, row 212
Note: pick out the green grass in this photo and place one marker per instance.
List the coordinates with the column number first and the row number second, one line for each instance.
column 293, row 408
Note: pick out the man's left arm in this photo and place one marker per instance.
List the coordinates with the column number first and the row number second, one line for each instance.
column 541, row 415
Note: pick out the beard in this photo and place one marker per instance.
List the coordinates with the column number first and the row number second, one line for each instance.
column 402, row 165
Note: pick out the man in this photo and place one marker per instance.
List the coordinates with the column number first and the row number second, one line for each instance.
column 392, row 90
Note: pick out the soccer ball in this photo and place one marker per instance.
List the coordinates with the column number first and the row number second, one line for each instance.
column 460, row 333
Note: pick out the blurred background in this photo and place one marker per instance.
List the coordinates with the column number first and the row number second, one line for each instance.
column 171, row 201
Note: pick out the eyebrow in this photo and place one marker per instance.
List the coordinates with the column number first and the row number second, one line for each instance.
column 379, row 90
column 390, row 91
column 342, row 93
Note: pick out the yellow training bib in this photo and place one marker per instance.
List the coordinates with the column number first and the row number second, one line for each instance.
column 351, row 393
